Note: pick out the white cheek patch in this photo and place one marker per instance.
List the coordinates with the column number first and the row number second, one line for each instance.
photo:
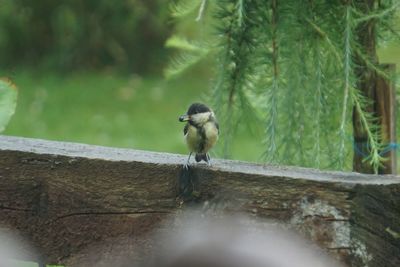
column 201, row 118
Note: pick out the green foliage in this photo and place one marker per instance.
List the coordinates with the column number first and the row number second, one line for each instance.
column 192, row 53
column 235, row 65
column 187, row 51
column 294, row 64
column 74, row 34
column 8, row 102
column 183, row 8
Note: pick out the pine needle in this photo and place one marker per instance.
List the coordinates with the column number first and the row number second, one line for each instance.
column 182, row 8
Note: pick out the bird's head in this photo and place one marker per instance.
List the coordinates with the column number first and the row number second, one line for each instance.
column 198, row 114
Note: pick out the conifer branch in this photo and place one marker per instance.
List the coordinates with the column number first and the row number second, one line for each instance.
column 347, row 82
column 182, row 43
column 376, row 15
column 318, row 105
column 201, row 10
column 182, row 8
column 325, row 36
column 240, row 12
column 238, row 46
column 181, row 63
column 390, row 28
column 294, row 64
column 271, row 151
column 370, row 65
column 369, row 121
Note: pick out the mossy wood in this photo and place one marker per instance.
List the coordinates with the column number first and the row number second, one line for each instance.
column 83, row 205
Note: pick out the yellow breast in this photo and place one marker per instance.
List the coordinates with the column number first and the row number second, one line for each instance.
column 192, row 138
column 211, row 135
column 195, row 141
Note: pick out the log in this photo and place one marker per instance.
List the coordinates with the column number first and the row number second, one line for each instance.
column 84, row 205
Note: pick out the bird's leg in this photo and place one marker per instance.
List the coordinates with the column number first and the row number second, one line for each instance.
column 208, row 159
column 186, row 165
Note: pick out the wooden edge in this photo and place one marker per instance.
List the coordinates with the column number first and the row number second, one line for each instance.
column 77, row 150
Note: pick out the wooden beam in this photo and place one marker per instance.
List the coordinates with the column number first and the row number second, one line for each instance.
column 83, row 205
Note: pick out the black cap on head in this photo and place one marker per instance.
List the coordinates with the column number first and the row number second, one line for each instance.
column 197, row 108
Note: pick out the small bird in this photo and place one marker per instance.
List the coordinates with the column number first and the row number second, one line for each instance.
column 201, row 131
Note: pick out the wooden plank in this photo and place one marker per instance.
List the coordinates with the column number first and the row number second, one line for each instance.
column 83, row 205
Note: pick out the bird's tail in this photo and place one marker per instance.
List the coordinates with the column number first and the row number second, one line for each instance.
column 200, row 157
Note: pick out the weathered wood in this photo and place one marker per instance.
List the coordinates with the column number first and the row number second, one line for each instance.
column 386, row 112
column 85, row 205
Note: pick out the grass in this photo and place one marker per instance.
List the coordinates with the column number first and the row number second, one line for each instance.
column 113, row 110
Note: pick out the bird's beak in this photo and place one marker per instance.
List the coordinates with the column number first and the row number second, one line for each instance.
column 184, row 117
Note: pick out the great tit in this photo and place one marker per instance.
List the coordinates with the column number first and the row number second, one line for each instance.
column 201, row 131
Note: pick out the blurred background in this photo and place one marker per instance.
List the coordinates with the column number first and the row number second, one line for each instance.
column 92, row 72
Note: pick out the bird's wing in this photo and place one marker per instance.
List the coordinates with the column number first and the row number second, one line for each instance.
column 185, row 130
column 217, row 125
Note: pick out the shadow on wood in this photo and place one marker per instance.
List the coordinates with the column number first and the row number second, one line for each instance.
column 70, row 200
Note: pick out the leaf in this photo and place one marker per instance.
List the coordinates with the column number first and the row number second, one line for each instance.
column 8, row 102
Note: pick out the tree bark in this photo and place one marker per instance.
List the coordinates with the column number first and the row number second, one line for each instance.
column 366, row 83
column 386, row 112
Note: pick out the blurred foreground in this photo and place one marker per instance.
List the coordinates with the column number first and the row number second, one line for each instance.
column 235, row 241
column 196, row 240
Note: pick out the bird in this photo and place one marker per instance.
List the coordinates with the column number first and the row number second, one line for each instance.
column 201, row 131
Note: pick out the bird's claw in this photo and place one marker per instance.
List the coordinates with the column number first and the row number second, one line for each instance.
column 208, row 160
